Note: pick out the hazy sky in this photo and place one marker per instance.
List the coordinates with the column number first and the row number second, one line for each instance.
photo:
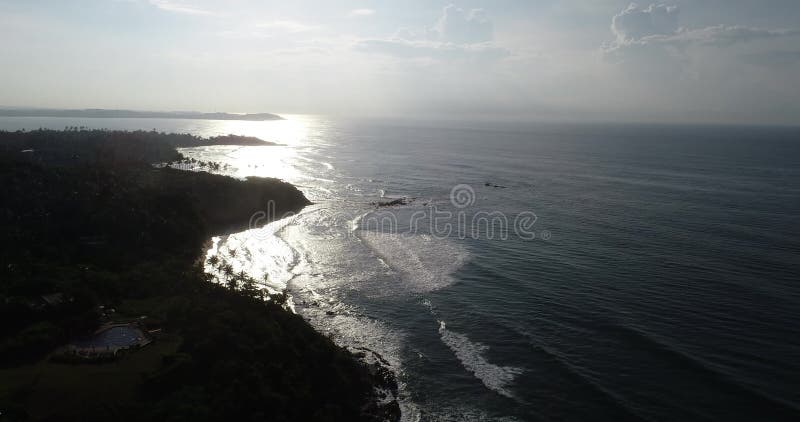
column 684, row 60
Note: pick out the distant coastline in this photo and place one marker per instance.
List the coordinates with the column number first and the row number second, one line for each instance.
column 105, row 113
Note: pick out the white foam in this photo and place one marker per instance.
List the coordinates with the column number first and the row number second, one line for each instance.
column 355, row 223
column 348, row 328
column 425, row 263
column 494, row 377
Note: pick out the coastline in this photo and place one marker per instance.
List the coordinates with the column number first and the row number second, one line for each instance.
column 133, row 114
column 145, row 220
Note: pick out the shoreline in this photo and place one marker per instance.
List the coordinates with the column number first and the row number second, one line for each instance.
column 378, row 366
column 140, row 220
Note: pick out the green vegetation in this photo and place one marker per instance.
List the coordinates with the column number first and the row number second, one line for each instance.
column 88, row 219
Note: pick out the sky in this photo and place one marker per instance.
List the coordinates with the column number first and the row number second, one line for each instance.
column 704, row 61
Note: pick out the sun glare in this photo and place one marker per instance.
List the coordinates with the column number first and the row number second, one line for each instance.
column 279, row 161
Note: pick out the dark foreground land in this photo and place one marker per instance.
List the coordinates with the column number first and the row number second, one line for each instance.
column 86, row 217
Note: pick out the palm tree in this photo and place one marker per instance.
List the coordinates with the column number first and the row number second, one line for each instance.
column 213, row 260
column 230, row 280
column 249, row 286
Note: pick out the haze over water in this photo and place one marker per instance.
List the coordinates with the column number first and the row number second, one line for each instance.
column 660, row 282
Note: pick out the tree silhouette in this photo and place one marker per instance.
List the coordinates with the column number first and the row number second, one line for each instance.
column 230, row 278
column 213, row 260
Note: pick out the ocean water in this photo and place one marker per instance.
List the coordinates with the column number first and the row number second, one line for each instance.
column 536, row 271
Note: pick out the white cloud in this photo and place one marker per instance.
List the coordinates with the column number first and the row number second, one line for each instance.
column 637, row 29
column 179, row 7
column 360, row 13
column 457, row 34
column 635, row 23
column 463, row 27
column 719, row 35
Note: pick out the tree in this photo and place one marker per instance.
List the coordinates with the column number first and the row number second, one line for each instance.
column 249, row 286
column 213, row 260
column 230, row 279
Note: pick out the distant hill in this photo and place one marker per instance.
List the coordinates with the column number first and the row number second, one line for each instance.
column 104, row 113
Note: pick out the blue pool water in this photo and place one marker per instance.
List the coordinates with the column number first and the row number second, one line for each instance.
column 114, row 337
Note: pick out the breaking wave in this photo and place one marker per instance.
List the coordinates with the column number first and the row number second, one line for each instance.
column 495, row 377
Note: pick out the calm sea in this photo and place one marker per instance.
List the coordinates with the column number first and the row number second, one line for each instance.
column 537, row 272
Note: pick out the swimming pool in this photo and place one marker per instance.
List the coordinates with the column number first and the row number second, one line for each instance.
column 113, row 338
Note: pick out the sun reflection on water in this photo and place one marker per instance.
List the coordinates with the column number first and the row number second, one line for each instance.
column 281, row 161
column 290, row 131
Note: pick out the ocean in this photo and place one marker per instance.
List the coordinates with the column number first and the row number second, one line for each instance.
column 535, row 271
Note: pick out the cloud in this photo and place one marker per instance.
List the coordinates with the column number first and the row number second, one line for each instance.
column 719, row 35
column 360, row 13
column 634, row 23
column 179, row 7
column 463, row 27
column 456, row 35
column 637, row 30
